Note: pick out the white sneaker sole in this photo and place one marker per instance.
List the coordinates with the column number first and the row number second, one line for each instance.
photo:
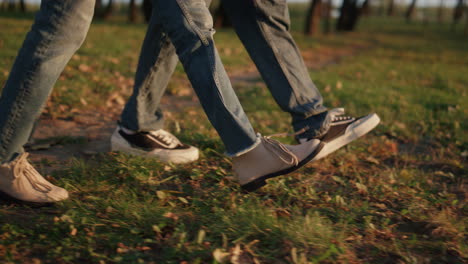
column 353, row 132
column 179, row 156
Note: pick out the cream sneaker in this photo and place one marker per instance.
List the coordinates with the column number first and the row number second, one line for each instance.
column 158, row 144
column 21, row 181
column 271, row 159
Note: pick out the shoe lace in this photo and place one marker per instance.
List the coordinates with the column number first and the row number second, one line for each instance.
column 338, row 115
column 283, row 153
column 166, row 137
column 22, row 167
column 341, row 118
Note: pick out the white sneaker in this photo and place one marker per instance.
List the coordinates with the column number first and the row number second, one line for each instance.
column 271, row 159
column 21, row 181
column 343, row 130
column 158, row 144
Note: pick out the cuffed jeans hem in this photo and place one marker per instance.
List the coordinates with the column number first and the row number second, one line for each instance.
column 10, row 159
column 308, row 112
column 245, row 150
column 316, row 125
column 142, row 128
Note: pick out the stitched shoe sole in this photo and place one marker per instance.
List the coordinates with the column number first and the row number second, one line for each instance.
column 355, row 130
column 118, row 143
column 261, row 181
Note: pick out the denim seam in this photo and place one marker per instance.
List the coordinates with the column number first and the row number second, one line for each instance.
column 267, row 35
column 192, row 23
column 206, row 42
column 215, row 74
column 147, row 83
column 211, row 54
column 24, row 92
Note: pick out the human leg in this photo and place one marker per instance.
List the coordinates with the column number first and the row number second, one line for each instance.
column 188, row 24
column 141, row 124
column 58, row 31
column 263, row 27
column 156, row 65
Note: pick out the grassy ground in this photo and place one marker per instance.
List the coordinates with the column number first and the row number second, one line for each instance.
column 396, row 196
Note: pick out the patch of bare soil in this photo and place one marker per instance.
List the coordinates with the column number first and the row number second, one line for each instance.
column 87, row 132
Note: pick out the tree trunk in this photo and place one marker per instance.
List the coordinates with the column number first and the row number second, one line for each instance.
column 349, row 14
column 147, row 9
column 466, row 25
column 221, row 19
column 132, row 11
column 327, row 8
column 391, row 8
column 458, row 12
column 97, row 7
column 11, row 5
column 440, row 11
column 410, row 11
column 22, row 6
column 365, row 8
column 109, row 10
column 313, row 18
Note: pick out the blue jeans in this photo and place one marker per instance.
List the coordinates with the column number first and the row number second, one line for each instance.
column 60, row 28
column 263, row 27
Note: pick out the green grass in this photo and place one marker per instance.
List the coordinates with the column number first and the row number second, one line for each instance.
column 396, row 196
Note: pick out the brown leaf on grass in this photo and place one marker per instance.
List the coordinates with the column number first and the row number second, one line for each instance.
column 171, row 216
column 85, row 68
column 143, row 248
column 362, row 189
column 239, row 256
column 281, row 212
column 115, row 98
column 221, row 256
column 83, row 101
column 373, row 160
column 339, row 85
column 114, row 60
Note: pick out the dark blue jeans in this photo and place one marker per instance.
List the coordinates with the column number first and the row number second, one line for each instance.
column 263, row 27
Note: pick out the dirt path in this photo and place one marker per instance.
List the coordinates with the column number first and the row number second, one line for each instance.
column 88, row 131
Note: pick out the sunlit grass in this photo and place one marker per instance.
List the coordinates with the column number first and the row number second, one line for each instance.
column 396, row 196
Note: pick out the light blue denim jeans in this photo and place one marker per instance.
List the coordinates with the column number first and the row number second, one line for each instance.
column 263, row 27
column 185, row 28
column 59, row 29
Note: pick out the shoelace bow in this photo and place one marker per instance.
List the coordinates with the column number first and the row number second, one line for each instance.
column 23, row 167
column 283, row 153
